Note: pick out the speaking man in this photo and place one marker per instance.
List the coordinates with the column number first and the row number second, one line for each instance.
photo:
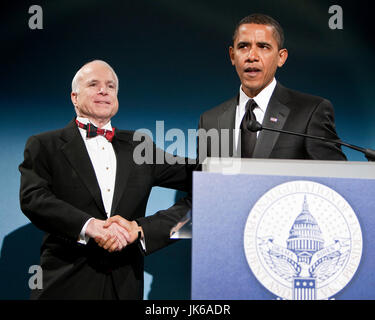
column 257, row 52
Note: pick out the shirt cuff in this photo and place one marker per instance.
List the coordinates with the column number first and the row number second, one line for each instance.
column 142, row 241
column 83, row 238
column 143, row 244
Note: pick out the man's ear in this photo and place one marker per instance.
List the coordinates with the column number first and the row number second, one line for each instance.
column 73, row 96
column 231, row 54
column 283, row 55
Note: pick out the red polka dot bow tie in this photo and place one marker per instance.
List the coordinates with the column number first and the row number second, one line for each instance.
column 92, row 131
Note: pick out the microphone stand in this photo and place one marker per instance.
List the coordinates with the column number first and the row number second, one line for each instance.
column 255, row 126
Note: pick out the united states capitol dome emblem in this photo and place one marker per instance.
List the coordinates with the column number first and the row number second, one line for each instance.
column 303, row 241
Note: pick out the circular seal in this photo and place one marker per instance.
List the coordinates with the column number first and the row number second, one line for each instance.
column 303, row 241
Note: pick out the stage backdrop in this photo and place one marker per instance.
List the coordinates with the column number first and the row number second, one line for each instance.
column 172, row 61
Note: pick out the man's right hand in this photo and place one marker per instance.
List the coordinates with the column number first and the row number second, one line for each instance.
column 113, row 236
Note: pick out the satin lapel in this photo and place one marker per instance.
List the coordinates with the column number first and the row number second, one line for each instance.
column 75, row 151
column 275, row 118
column 125, row 163
column 227, row 121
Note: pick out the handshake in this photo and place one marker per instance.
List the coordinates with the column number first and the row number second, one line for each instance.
column 113, row 234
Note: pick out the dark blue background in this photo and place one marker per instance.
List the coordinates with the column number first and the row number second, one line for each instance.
column 172, row 61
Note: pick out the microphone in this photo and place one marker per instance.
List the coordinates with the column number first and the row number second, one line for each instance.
column 255, row 126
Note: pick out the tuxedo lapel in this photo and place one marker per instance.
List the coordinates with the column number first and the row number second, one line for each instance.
column 125, row 163
column 75, row 151
column 227, row 121
column 275, row 118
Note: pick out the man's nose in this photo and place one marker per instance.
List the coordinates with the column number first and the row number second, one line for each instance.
column 253, row 54
column 103, row 90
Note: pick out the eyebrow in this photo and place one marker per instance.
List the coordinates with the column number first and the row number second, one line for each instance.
column 241, row 43
column 263, row 43
column 95, row 80
column 111, row 82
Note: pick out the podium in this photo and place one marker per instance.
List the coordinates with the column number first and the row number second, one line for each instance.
column 268, row 229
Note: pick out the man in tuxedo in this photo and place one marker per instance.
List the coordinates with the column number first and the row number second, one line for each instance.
column 74, row 179
column 257, row 51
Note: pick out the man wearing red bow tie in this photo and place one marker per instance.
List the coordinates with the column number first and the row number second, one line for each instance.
column 76, row 180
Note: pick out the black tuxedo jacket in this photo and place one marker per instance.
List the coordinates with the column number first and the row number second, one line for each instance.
column 59, row 193
column 294, row 111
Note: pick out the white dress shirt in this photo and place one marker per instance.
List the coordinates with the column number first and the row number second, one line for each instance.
column 103, row 159
column 262, row 100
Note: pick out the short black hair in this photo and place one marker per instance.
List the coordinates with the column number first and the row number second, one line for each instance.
column 260, row 18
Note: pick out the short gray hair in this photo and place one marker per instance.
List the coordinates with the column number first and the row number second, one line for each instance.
column 78, row 75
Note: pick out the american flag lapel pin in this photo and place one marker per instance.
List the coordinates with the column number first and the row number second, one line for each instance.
column 273, row 119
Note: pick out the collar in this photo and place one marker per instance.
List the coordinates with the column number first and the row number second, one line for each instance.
column 83, row 120
column 262, row 98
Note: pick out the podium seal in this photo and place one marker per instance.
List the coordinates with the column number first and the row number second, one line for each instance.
column 303, row 241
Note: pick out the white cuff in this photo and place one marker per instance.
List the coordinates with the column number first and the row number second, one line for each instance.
column 143, row 243
column 83, row 238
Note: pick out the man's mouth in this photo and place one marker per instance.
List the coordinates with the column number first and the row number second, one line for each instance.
column 102, row 102
column 252, row 71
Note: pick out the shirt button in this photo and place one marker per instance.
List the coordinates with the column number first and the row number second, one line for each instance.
column 102, row 148
column 107, row 168
column 108, row 190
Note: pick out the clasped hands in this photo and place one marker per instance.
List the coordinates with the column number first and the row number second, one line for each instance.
column 113, row 234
